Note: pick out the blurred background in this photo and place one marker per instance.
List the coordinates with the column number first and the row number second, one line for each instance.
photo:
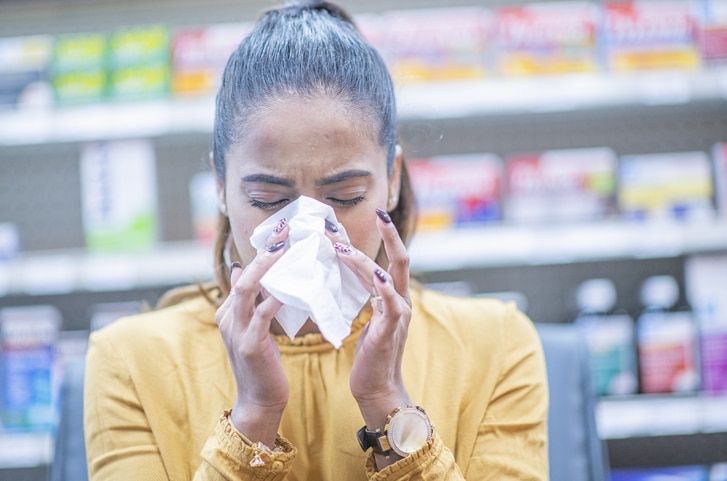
column 569, row 156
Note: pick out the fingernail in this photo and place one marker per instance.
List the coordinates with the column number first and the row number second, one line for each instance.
column 342, row 248
column 280, row 225
column 380, row 274
column 383, row 215
column 275, row 247
column 233, row 266
column 331, row 227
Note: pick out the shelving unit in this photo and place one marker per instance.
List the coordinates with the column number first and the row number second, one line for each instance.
column 643, row 112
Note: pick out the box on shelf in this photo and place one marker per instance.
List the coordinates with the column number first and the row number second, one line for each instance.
column 29, row 335
column 705, row 280
column 80, row 67
column 205, row 207
column 139, row 62
column 719, row 158
column 713, row 31
column 667, row 340
column 24, row 70
column 457, row 190
column 646, row 35
column 546, row 38
column 560, row 185
column 436, row 44
column 119, row 195
column 199, row 56
column 674, row 186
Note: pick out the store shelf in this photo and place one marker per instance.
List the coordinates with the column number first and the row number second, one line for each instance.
column 19, row 450
column 496, row 245
column 661, row 415
column 114, row 120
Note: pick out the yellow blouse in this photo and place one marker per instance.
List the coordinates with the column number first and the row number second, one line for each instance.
column 157, row 386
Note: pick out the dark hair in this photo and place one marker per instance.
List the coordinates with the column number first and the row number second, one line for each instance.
column 304, row 49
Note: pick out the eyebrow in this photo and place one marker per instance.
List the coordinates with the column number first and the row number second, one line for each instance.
column 343, row 176
column 267, row 179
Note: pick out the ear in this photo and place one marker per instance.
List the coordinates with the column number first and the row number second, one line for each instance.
column 395, row 180
column 220, row 185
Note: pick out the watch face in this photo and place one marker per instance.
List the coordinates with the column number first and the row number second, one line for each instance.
column 408, row 430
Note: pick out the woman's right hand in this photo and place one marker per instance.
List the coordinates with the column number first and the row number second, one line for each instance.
column 262, row 387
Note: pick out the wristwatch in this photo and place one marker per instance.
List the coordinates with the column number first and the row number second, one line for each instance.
column 406, row 430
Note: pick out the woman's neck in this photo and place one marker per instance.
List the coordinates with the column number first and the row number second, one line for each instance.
column 309, row 327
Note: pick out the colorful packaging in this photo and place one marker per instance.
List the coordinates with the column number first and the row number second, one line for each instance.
column 199, row 56
column 719, row 158
column 80, row 67
column 646, row 35
column 437, row 44
column 455, row 191
column 667, row 340
column 28, row 354
column 24, row 70
column 560, row 185
column 205, row 207
column 713, row 31
column 610, row 336
column 678, row 473
column 139, row 62
column 119, row 195
column 666, row 186
column 706, row 281
column 546, row 38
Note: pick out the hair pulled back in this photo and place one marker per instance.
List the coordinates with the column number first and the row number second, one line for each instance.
column 308, row 48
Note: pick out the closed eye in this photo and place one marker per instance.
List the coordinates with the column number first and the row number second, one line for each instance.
column 346, row 202
column 268, row 205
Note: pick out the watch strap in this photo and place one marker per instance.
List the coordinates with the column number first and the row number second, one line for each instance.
column 376, row 440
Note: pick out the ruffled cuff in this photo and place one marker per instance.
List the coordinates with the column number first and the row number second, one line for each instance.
column 228, row 451
column 430, row 458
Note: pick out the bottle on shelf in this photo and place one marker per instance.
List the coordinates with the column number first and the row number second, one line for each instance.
column 667, row 340
column 610, row 336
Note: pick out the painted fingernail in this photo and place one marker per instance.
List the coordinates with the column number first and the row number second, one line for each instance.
column 380, row 274
column 383, row 215
column 233, row 266
column 331, row 227
column 342, row 248
column 280, row 225
column 275, row 247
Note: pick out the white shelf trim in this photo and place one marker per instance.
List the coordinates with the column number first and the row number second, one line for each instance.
column 431, row 100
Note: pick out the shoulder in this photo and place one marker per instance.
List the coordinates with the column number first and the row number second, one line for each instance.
column 476, row 321
column 158, row 331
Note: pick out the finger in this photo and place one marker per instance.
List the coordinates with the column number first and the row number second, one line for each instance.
column 262, row 318
column 358, row 262
column 396, row 253
column 386, row 294
column 247, row 286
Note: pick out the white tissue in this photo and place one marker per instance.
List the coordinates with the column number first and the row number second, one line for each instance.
column 309, row 279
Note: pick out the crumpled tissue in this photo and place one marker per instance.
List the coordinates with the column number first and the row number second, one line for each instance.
column 309, row 279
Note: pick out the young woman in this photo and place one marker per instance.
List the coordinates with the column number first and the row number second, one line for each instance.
column 209, row 388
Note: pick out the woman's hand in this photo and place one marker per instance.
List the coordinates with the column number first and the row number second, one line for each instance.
column 376, row 381
column 262, row 388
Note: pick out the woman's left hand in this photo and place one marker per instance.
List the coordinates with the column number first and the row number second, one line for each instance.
column 376, row 380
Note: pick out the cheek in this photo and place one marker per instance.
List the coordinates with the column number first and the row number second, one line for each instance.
column 362, row 232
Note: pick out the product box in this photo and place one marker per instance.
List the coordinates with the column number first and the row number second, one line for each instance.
column 456, row 191
column 80, row 67
column 713, row 31
column 199, row 56
column 24, row 70
column 666, row 186
column 139, row 62
column 546, row 38
column 719, row 159
column 118, row 182
column 650, row 34
column 678, row 473
column 437, row 44
column 706, row 281
column 560, row 185
column 28, row 355
column 205, row 206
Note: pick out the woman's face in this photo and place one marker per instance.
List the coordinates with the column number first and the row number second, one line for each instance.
column 318, row 147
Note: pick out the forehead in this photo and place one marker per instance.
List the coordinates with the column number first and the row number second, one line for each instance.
column 306, row 127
